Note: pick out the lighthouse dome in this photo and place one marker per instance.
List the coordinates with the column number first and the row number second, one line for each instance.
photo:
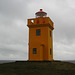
column 41, row 13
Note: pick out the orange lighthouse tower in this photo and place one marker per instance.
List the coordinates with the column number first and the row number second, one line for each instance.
column 40, row 37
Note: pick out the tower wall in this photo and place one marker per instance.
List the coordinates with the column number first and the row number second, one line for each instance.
column 50, row 44
column 42, row 43
column 38, row 42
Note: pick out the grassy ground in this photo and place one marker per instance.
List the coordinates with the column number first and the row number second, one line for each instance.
column 37, row 68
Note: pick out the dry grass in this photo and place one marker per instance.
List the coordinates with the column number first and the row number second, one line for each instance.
column 37, row 68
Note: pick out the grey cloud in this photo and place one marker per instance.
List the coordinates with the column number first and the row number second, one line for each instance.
column 14, row 32
column 12, row 8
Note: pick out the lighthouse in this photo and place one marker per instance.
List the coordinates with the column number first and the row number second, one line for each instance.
column 40, row 37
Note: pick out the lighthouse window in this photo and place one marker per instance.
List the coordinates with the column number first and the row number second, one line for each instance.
column 38, row 32
column 50, row 51
column 50, row 33
column 34, row 50
column 32, row 21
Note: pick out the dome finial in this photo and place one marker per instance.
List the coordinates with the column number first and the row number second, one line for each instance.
column 40, row 9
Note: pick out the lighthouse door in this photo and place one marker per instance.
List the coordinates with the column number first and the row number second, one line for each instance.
column 42, row 52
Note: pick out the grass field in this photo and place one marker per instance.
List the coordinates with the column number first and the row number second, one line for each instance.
column 37, row 68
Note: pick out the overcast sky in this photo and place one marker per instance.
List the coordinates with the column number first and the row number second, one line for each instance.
column 14, row 31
